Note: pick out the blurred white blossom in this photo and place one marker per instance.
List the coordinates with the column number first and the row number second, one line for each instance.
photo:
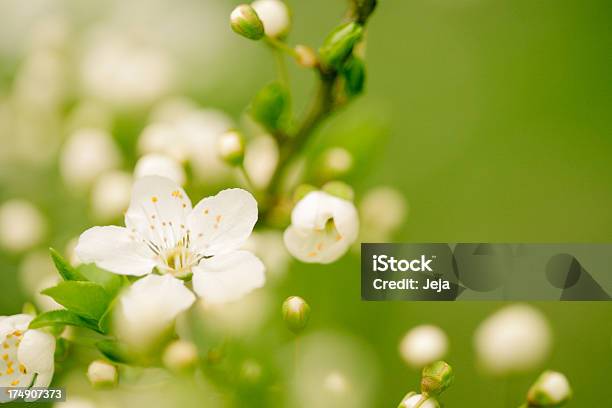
column 125, row 71
column 163, row 231
column 269, row 247
column 423, row 345
column 22, row 225
column 413, row 400
column 110, row 195
column 155, row 164
column 87, row 154
column 148, row 308
column 37, row 272
column 260, row 159
column 382, row 211
column 514, row 339
column 27, row 355
column 322, row 228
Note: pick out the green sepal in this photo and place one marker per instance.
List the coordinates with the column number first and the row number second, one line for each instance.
column 354, row 75
column 339, row 44
column 270, row 107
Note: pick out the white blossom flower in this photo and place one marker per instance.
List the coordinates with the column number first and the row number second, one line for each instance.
column 87, row 154
column 163, row 231
column 322, row 228
column 423, row 345
column 101, row 373
column 514, row 339
column 110, row 195
column 149, row 307
column 274, row 15
column 22, row 226
column 260, row 160
column 155, row 164
column 26, row 356
column 413, row 400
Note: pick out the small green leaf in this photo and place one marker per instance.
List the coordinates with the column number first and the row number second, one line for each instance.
column 354, row 76
column 62, row 318
column 114, row 351
column 67, row 272
column 87, row 299
column 111, row 282
column 270, row 107
column 339, row 44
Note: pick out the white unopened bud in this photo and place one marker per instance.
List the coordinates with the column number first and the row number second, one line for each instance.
column 414, row 400
column 275, row 16
column 423, row 345
column 110, row 194
column 245, row 21
column 306, row 56
column 102, row 374
column 336, row 162
column 296, row 313
column 231, row 147
column 180, row 355
column 550, row 390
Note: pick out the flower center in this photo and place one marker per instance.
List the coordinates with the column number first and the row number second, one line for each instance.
column 11, row 371
column 180, row 259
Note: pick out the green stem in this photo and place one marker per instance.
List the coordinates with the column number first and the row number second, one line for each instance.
column 281, row 46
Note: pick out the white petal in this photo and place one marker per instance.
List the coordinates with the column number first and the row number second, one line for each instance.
column 149, row 306
column 228, row 277
column 314, row 210
column 315, row 246
column 9, row 324
column 222, row 223
column 115, row 249
column 36, row 351
column 158, row 211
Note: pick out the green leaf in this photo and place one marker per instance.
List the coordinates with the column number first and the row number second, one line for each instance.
column 114, row 351
column 354, row 76
column 87, row 299
column 339, row 44
column 67, row 272
column 111, row 282
column 62, row 318
column 270, row 107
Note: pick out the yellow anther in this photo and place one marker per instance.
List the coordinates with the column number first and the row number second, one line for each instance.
column 154, row 199
column 206, row 211
column 5, row 357
column 22, row 368
column 311, row 254
column 14, row 383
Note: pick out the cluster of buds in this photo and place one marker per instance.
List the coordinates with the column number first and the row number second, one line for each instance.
column 435, row 379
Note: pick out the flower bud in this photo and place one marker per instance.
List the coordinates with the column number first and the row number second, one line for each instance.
column 552, row 389
column 335, row 162
column 231, row 147
column 414, row 400
column 101, row 374
column 354, row 76
column 436, row 378
column 339, row 44
column 339, row 189
column 274, row 15
column 296, row 313
column 306, row 56
column 245, row 21
column 180, row 355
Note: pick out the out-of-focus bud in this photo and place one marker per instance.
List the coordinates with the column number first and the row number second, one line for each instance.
column 251, row 371
column 302, row 190
column 245, row 21
column 354, row 76
column 110, row 194
column 552, row 389
column 339, row 189
column 436, row 378
column 296, row 313
column 155, row 164
column 231, row 147
column 102, row 374
column 339, row 44
column 270, row 106
column 180, row 355
column 274, row 15
column 414, row 400
column 335, row 162
column 423, row 345
column 306, row 56
column 22, row 226
column 514, row 339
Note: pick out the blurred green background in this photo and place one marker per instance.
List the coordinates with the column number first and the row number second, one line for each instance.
column 492, row 118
